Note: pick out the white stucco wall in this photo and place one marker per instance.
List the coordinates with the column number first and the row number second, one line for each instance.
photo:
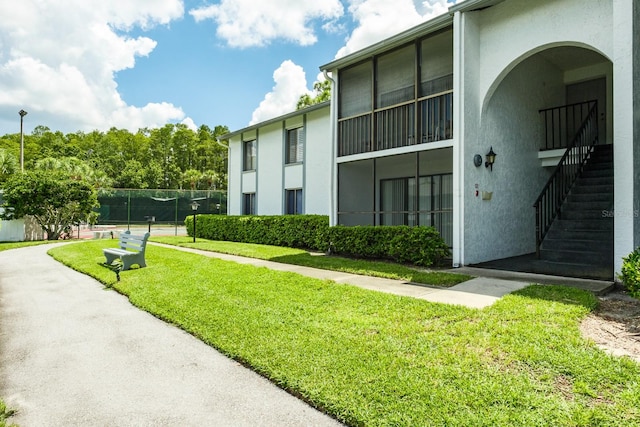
column 272, row 176
column 502, row 88
column 626, row 210
column 515, row 29
column 317, row 163
column 505, row 225
column 269, row 196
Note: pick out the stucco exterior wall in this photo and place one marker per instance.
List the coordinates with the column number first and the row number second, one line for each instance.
column 505, row 225
column 272, row 176
column 636, row 120
column 317, row 163
column 516, row 29
column 269, row 198
column 624, row 149
column 234, row 177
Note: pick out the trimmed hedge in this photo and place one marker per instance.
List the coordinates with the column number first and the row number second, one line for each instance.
column 630, row 274
column 294, row 231
column 416, row 245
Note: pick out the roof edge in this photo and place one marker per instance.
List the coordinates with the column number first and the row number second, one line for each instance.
column 422, row 29
column 473, row 5
column 268, row 122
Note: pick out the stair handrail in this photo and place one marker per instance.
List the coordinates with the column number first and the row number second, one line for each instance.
column 549, row 202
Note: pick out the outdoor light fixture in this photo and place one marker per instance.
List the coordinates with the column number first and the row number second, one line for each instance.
column 194, row 207
column 22, row 114
column 491, row 158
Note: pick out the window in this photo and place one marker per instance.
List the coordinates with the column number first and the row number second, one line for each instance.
column 249, row 204
column 294, row 201
column 295, row 145
column 249, row 155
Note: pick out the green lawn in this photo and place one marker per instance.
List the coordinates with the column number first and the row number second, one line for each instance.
column 300, row 257
column 5, row 246
column 374, row 359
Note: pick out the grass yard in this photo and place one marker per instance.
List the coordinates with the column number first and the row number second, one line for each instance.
column 5, row 246
column 304, row 258
column 374, row 359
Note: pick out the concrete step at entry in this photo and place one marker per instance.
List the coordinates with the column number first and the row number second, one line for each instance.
column 576, row 257
column 571, row 244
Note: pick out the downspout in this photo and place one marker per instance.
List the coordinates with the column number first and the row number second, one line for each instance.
column 332, row 128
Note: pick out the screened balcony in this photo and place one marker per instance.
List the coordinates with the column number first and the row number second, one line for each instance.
column 399, row 98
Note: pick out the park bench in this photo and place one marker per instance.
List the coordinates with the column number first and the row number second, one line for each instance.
column 130, row 251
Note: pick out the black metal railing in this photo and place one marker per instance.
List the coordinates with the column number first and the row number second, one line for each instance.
column 396, row 126
column 549, row 203
column 562, row 123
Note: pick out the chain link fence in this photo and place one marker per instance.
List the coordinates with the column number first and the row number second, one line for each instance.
column 167, row 207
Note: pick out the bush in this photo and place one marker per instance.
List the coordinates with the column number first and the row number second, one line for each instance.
column 295, row 231
column 630, row 275
column 414, row 245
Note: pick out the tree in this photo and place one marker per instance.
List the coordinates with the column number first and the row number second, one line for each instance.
column 54, row 200
column 322, row 93
column 8, row 165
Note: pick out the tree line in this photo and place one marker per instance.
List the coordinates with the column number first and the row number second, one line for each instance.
column 169, row 157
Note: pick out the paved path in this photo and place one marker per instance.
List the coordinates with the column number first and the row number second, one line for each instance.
column 479, row 292
column 74, row 354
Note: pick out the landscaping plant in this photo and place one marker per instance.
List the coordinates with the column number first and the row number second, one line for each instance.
column 630, row 274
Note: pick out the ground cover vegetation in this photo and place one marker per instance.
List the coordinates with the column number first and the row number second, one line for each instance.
column 5, row 246
column 169, row 157
column 4, row 414
column 415, row 245
column 374, row 359
column 630, row 274
column 319, row 260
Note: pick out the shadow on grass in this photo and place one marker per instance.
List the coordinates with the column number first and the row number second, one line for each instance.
column 561, row 294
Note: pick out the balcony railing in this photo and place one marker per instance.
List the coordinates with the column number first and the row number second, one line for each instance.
column 398, row 126
column 354, row 135
column 562, row 123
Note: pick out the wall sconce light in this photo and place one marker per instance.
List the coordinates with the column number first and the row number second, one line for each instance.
column 491, row 158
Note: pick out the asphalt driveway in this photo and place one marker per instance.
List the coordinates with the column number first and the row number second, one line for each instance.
column 75, row 354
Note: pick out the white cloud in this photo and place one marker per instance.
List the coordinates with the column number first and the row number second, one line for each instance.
column 58, row 59
column 379, row 19
column 291, row 83
column 244, row 23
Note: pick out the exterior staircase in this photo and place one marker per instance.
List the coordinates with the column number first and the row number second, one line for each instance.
column 579, row 242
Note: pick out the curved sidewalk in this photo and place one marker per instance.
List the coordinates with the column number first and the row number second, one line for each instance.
column 75, row 354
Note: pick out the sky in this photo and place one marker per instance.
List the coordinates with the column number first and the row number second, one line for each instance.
column 84, row 65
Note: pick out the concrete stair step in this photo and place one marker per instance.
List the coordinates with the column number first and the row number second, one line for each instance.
column 603, row 245
column 576, row 257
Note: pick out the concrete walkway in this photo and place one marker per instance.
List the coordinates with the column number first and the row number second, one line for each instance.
column 75, row 354
column 482, row 291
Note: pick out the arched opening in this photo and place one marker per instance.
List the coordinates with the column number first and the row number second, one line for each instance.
column 532, row 115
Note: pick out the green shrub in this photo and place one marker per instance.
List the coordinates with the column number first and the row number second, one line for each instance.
column 414, row 245
column 630, row 275
column 295, row 231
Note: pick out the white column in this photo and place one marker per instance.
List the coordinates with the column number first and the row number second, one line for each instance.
column 623, row 150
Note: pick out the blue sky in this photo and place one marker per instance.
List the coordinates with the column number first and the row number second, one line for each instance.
column 91, row 64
